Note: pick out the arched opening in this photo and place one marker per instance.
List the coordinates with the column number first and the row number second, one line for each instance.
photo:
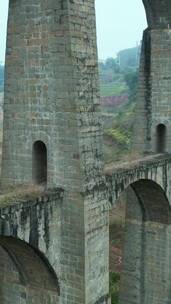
column 161, row 138
column 29, row 270
column 143, row 263
column 39, row 163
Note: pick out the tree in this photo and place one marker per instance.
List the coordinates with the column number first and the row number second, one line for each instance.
column 131, row 79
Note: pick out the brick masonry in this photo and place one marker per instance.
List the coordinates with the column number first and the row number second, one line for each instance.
column 30, row 244
column 25, row 277
column 155, row 168
column 52, row 95
column 145, row 276
column 154, row 95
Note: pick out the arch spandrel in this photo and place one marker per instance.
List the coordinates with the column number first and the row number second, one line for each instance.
column 27, row 268
column 31, row 264
column 153, row 200
column 158, row 13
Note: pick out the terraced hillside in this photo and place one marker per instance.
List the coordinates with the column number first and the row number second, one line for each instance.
column 118, row 104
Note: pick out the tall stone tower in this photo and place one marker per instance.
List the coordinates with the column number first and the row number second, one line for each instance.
column 153, row 112
column 53, row 132
column 51, row 92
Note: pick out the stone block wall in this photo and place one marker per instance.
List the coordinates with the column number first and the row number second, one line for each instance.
column 52, row 95
column 154, row 95
column 43, row 224
column 39, row 100
column 158, row 13
column 51, row 90
column 157, row 169
column 30, row 248
column 25, row 277
column 131, row 289
column 146, row 272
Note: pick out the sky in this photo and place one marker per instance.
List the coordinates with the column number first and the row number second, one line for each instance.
column 3, row 21
column 120, row 24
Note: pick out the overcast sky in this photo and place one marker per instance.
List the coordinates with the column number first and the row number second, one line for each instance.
column 120, row 24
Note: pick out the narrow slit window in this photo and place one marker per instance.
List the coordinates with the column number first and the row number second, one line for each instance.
column 161, row 138
column 39, row 163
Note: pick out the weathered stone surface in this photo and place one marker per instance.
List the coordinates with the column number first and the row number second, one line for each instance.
column 155, row 168
column 154, row 94
column 52, row 96
column 30, row 241
column 145, row 276
column 25, row 276
column 158, row 13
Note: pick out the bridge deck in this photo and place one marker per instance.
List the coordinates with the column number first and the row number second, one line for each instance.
column 120, row 175
column 147, row 161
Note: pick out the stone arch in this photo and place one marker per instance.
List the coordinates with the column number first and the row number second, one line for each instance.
column 153, row 201
column 39, row 162
column 158, row 13
column 161, row 137
column 147, row 239
column 28, row 269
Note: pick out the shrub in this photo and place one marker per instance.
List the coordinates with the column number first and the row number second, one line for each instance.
column 114, row 287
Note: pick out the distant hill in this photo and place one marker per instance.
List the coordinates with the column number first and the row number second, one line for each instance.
column 129, row 58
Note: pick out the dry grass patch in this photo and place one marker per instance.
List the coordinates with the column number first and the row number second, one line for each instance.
column 20, row 193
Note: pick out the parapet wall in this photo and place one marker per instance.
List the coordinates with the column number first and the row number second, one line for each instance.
column 155, row 168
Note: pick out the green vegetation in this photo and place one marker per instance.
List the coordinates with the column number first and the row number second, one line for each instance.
column 113, row 88
column 118, row 88
column 114, row 287
column 118, row 132
column 122, row 137
column 131, row 79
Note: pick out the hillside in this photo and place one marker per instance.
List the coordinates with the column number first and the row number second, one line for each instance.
column 118, row 86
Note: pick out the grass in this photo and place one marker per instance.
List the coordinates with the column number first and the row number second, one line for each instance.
column 112, row 89
column 19, row 194
column 122, row 137
column 118, row 133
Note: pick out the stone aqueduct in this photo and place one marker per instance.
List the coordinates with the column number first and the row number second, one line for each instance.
column 54, row 245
